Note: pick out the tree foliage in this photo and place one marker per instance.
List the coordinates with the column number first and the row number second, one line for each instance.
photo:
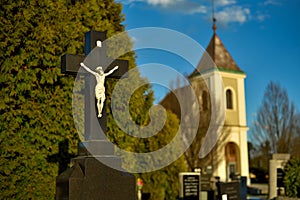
column 36, row 99
column 277, row 122
column 163, row 183
column 292, row 178
column 35, row 106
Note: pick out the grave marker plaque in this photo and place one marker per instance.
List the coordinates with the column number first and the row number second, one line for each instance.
column 231, row 190
column 280, row 177
column 190, row 185
column 205, row 182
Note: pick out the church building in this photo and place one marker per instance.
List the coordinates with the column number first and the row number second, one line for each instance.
column 229, row 156
column 232, row 151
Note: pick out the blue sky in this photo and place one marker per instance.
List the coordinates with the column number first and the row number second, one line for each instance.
column 262, row 36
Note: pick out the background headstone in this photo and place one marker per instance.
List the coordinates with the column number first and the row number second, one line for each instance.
column 234, row 190
column 189, row 185
column 207, row 191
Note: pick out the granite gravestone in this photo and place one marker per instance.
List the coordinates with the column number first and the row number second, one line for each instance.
column 207, row 193
column 235, row 190
column 189, row 185
column 230, row 190
column 88, row 178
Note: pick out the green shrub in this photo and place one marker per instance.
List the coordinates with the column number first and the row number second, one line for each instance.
column 292, row 178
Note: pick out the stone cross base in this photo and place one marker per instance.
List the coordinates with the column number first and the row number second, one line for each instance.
column 90, row 147
column 88, row 178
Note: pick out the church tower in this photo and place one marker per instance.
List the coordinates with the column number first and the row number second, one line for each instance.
column 229, row 157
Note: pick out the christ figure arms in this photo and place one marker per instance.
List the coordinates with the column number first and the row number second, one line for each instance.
column 88, row 69
column 111, row 71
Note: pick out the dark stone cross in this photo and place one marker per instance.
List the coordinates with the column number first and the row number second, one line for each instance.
column 88, row 178
column 95, row 127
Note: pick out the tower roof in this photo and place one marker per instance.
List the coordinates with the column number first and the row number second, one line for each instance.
column 217, row 53
column 220, row 55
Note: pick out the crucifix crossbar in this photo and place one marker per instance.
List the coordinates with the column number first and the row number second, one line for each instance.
column 94, row 127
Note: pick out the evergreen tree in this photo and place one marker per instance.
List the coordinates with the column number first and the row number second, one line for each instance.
column 36, row 99
column 162, row 183
column 292, row 178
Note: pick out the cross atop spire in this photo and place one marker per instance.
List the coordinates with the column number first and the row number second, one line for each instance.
column 214, row 25
column 213, row 16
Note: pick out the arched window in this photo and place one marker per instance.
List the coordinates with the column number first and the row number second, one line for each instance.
column 204, row 100
column 229, row 99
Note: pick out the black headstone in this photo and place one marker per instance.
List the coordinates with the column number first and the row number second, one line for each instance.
column 243, row 187
column 205, row 183
column 190, row 185
column 280, row 177
column 90, row 179
column 231, row 189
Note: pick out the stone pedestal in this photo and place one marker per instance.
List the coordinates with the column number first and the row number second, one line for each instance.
column 88, row 178
column 277, row 162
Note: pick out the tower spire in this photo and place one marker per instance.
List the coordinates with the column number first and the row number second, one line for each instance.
column 213, row 17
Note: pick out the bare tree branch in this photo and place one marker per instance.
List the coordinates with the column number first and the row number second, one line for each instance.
column 277, row 124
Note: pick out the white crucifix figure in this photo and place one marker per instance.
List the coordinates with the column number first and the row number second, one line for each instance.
column 100, row 78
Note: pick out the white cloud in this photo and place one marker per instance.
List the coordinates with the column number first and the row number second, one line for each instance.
column 188, row 7
column 271, row 2
column 225, row 2
column 263, row 14
column 162, row 2
column 226, row 11
column 233, row 14
column 126, row 1
column 182, row 6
